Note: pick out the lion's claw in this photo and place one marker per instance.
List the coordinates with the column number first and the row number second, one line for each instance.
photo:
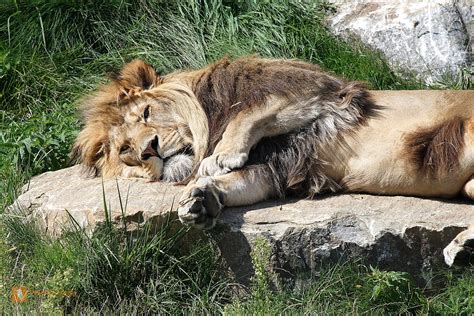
column 218, row 164
column 200, row 205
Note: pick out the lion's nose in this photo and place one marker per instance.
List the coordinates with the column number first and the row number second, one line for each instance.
column 151, row 149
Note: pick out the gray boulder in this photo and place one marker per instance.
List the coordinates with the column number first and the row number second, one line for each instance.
column 401, row 233
column 427, row 38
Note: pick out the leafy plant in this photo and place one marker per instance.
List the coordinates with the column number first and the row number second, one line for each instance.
column 393, row 291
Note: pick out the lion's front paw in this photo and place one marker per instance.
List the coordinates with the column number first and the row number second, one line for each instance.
column 461, row 250
column 200, row 204
column 222, row 163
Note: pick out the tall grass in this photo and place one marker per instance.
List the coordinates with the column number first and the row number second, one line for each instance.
column 154, row 270
column 112, row 272
column 52, row 52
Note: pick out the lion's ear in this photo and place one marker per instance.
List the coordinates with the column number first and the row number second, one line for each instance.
column 137, row 75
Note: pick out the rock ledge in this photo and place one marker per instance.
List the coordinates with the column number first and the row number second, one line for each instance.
column 401, row 233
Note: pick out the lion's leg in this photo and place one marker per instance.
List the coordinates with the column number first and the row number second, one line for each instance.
column 461, row 250
column 274, row 118
column 203, row 199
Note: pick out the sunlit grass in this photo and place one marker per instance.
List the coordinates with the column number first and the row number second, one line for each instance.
column 54, row 52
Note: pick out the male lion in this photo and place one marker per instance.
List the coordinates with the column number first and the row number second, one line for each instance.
column 239, row 132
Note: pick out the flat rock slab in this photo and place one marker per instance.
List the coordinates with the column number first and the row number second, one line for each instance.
column 394, row 232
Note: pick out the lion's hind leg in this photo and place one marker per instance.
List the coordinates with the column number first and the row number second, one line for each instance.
column 460, row 251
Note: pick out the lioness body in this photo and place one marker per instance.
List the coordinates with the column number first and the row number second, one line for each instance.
column 247, row 130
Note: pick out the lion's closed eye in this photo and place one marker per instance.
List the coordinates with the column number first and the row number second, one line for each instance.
column 146, row 113
column 125, row 149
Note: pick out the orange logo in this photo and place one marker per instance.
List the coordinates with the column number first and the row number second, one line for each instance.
column 19, row 294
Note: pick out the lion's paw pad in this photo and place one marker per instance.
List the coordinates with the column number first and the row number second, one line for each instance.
column 200, row 209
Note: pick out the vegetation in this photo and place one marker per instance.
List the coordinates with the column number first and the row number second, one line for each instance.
column 114, row 272
column 53, row 52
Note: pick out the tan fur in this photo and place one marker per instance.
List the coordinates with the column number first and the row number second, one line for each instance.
column 105, row 109
column 460, row 250
column 246, row 130
column 381, row 161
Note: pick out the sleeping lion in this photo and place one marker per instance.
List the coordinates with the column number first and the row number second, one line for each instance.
column 243, row 131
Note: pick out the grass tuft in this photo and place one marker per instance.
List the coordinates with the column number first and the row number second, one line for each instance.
column 54, row 52
column 112, row 270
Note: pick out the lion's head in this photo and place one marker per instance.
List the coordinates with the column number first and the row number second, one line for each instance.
column 141, row 125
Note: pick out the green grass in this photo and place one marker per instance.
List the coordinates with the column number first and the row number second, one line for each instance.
column 112, row 270
column 151, row 273
column 54, row 52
